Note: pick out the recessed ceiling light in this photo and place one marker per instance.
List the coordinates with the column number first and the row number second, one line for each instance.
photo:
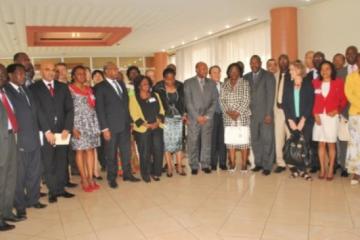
column 249, row 19
column 227, row 26
column 210, row 32
column 172, row 46
column 182, row 42
column 196, row 38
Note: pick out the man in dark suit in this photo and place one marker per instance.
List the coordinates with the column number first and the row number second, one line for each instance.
column 112, row 107
column 200, row 101
column 55, row 103
column 262, row 91
column 23, row 59
column 218, row 147
column 29, row 156
column 318, row 59
column 8, row 128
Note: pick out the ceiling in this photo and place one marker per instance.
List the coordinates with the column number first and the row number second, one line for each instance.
column 157, row 25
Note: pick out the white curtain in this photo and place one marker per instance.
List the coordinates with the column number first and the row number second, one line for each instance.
column 223, row 50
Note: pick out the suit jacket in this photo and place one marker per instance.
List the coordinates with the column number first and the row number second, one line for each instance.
column 27, row 117
column 278, row 90
column 306, row 101
column 112, row 110
column 342, row 73
column 200, row 102
column 161, row 90
column 262, row 92
column 335, row 100
column 55, row 113
column 4, row 134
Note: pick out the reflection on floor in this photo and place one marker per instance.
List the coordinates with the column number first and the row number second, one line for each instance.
column 218, row 206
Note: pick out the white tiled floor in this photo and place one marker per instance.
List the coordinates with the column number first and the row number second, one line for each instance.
column 218, row 206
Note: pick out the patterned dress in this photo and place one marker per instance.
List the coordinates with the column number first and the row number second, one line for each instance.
column 85, row 120
column 353, row 152
column 237, row 99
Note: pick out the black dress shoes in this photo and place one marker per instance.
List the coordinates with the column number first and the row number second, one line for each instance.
column 131, row 178
column 206, row 170
column 39, row 205
column 156, row 178
column 344, row 173
column 257, row 169
column 52, row 198
column 5, row 226
column 66, row 194
column 113, row 184
column 71, row 185
column 194, row 171
column 21, row 213
column 43, row 194
column 15, row 218
column 266, row 172
column 213, row 168
column 279, row 169
column 223, row 167
column 147, row 179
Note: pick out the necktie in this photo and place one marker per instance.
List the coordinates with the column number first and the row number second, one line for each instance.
column 23, row 94
column 118, row 89
column 9, row 111
column 51, row 89
column 202, row 83
column 280, row 89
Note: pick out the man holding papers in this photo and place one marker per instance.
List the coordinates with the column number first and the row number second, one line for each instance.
column 55, row 103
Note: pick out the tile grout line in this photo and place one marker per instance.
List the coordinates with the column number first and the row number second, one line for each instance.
column 309, row 218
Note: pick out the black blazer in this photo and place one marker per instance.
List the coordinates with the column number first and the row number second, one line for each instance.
column 27, row 117
column 306, row 101
column 58, row 110
column 161, row 90
column 113, row 111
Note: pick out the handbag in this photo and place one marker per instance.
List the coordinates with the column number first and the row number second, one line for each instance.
column 237, row 135
column 296, row 151
column 343, row 131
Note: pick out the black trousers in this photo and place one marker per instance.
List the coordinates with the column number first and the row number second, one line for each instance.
column 119, row 141
column 218, row 147
column 101, row 153
column 28, row 179
column 151, row 150
column 54, row 160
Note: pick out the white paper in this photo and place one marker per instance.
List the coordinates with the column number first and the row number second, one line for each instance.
column 239, row 135
column 60, row 141
column 41, row 135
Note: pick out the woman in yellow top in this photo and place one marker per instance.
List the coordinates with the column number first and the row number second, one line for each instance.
column 352, row 92
column 147, row 112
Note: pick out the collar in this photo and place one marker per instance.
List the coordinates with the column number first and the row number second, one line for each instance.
column 14, row 86
column 111, row 81
column 199, row 79
column 48, row 82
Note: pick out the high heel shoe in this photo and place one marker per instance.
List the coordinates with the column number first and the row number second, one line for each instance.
column 95, row 186
column 330, row 178
column 169, row 175
column 87, row 188
column 321, row 176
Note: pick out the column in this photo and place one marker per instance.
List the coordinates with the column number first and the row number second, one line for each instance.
column 160, row 63
column 284, row 38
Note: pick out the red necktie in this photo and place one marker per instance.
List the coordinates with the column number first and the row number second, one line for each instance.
column 9, row 111
column 51, row 89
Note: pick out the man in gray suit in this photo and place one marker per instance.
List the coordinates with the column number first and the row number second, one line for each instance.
column 200, row 101
column 8, row 127
column 262, row 85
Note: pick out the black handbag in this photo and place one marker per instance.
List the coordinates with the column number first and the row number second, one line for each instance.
column 296, row 151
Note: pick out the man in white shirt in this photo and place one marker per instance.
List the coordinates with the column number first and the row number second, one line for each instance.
column 309, row 55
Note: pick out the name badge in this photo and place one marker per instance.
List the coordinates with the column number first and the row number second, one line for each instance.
column 151, row 100
column 317, row 91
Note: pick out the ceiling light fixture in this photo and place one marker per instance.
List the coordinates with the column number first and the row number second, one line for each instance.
column 210, row 32
column 196, row 38
column 227, row 26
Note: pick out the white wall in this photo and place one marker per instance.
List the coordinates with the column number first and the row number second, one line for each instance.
column 329, row 26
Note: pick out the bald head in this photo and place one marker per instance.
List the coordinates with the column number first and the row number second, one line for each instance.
column 111, row 71
column 201, row 69
column 3, row 75
column 47, row 71
column 309, row 55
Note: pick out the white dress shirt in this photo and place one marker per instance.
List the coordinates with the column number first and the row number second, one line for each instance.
column 49, row 82
column 352, row 68
column 115, row 85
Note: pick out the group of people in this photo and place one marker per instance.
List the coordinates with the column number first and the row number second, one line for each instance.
column 98, row 117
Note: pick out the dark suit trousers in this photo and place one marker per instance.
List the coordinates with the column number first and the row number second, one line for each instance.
column 119, row 141
column 8, row 177
column 341, row 153
column 151, row 150
column 263, row 145
column 28, row 179
column 101, row 153
column 218, row 147
column 54, row 160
